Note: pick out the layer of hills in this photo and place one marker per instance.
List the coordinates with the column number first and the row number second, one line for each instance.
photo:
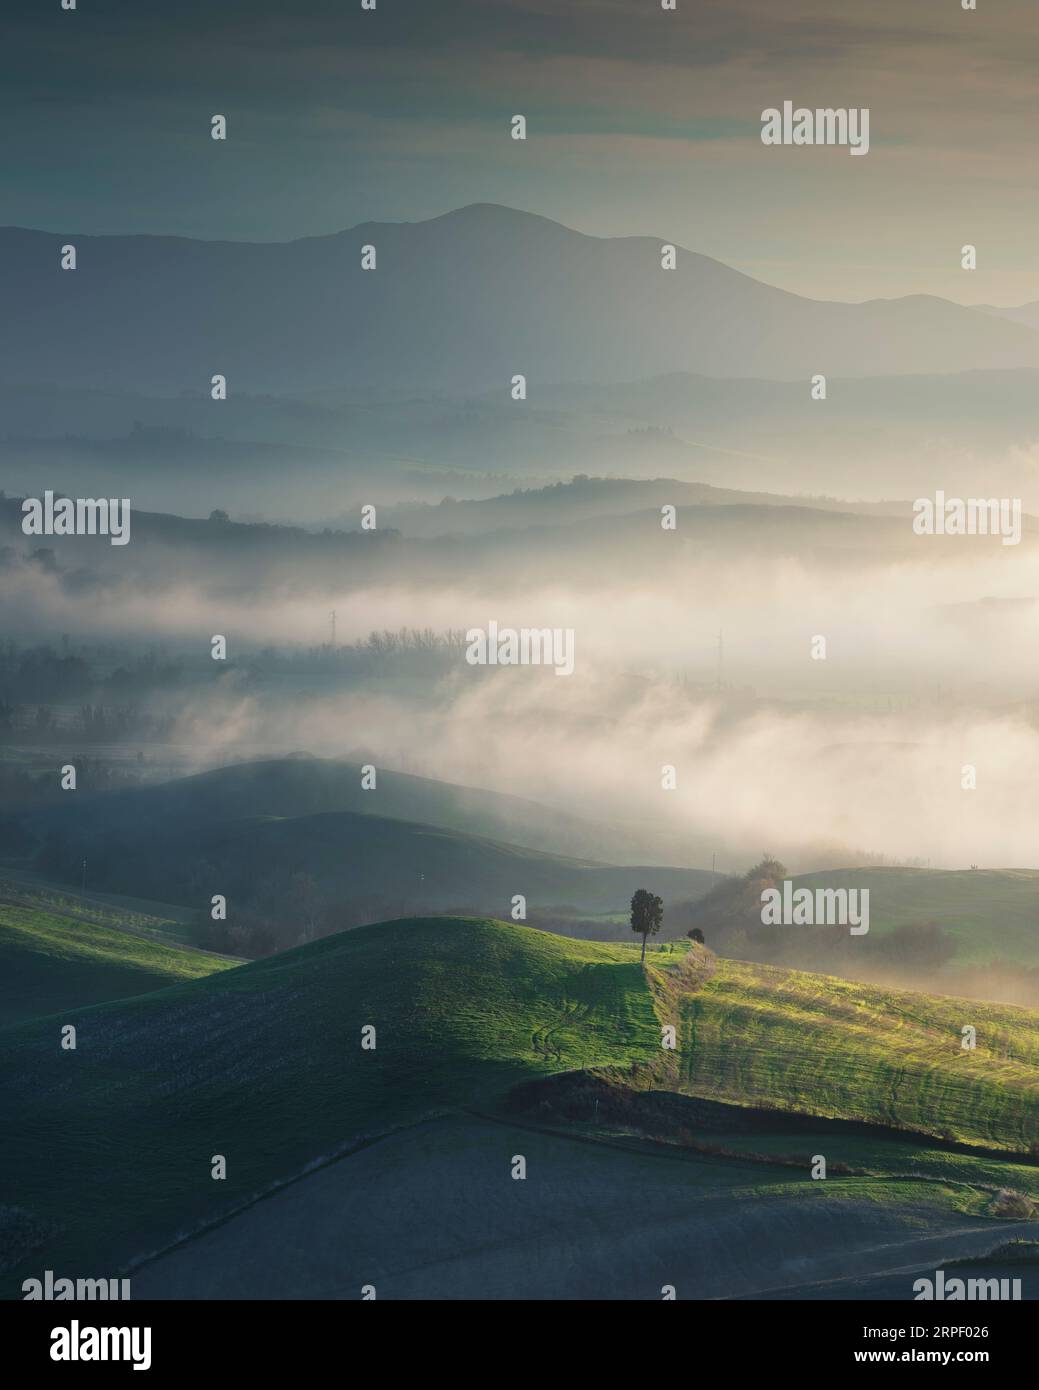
column 226, row 557
column 300, row 838
column 587, row 499
column 558, row 421
column 462, row 301
column 873, row 436
column 251, row 832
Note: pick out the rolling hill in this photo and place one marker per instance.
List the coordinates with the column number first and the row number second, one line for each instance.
column 461, row 302
column 589, row 499
column 959, row 931
column 264, row 1065
column 253, row 828
column 815, row 1044
column 248, row 831
column 52, row 963
column 984, row 913
column 348, row 857
column 302, row 785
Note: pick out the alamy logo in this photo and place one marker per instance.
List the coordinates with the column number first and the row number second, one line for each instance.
column 61, row 1288
column 825, row 907
column 525, row 646
column 971, row 516
column 823, row 126
column 76, row 1343
column 952, row 1290
column 80, row 516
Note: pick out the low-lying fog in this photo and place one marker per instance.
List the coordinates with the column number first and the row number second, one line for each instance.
column 929, row 672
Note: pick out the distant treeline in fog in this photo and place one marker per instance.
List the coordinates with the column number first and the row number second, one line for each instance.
column 40, row 674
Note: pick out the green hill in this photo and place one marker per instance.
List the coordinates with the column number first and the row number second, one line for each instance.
column 971, row 932
column 264, row 1064
column 110, row 1147
column 303, row 785
column 814, row 1044
column 984, row 913
column 50, row 963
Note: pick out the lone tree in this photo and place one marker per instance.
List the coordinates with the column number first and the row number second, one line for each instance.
column 696, row 935
column 647, row 913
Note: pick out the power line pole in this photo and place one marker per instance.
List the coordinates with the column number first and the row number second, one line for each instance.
column 333, row 617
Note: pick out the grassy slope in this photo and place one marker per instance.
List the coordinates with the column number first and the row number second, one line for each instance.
column 51, row 963
column 111, row 1145
column 760, row 1035
column 264, row 1064
column 987, row 913
column 139, row 916
column 968, row 1180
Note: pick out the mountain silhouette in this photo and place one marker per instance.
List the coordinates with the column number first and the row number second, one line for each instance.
column 459, row 303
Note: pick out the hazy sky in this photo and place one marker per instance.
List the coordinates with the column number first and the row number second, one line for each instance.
column 640, row 121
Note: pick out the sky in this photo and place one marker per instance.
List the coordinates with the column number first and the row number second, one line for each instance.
column 641, row 121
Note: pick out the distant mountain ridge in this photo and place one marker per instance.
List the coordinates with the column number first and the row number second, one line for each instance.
column 460, row 302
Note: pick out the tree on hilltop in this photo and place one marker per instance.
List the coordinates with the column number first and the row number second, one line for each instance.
column 647, row 913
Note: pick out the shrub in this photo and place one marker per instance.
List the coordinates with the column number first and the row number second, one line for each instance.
column 1014, row 1204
